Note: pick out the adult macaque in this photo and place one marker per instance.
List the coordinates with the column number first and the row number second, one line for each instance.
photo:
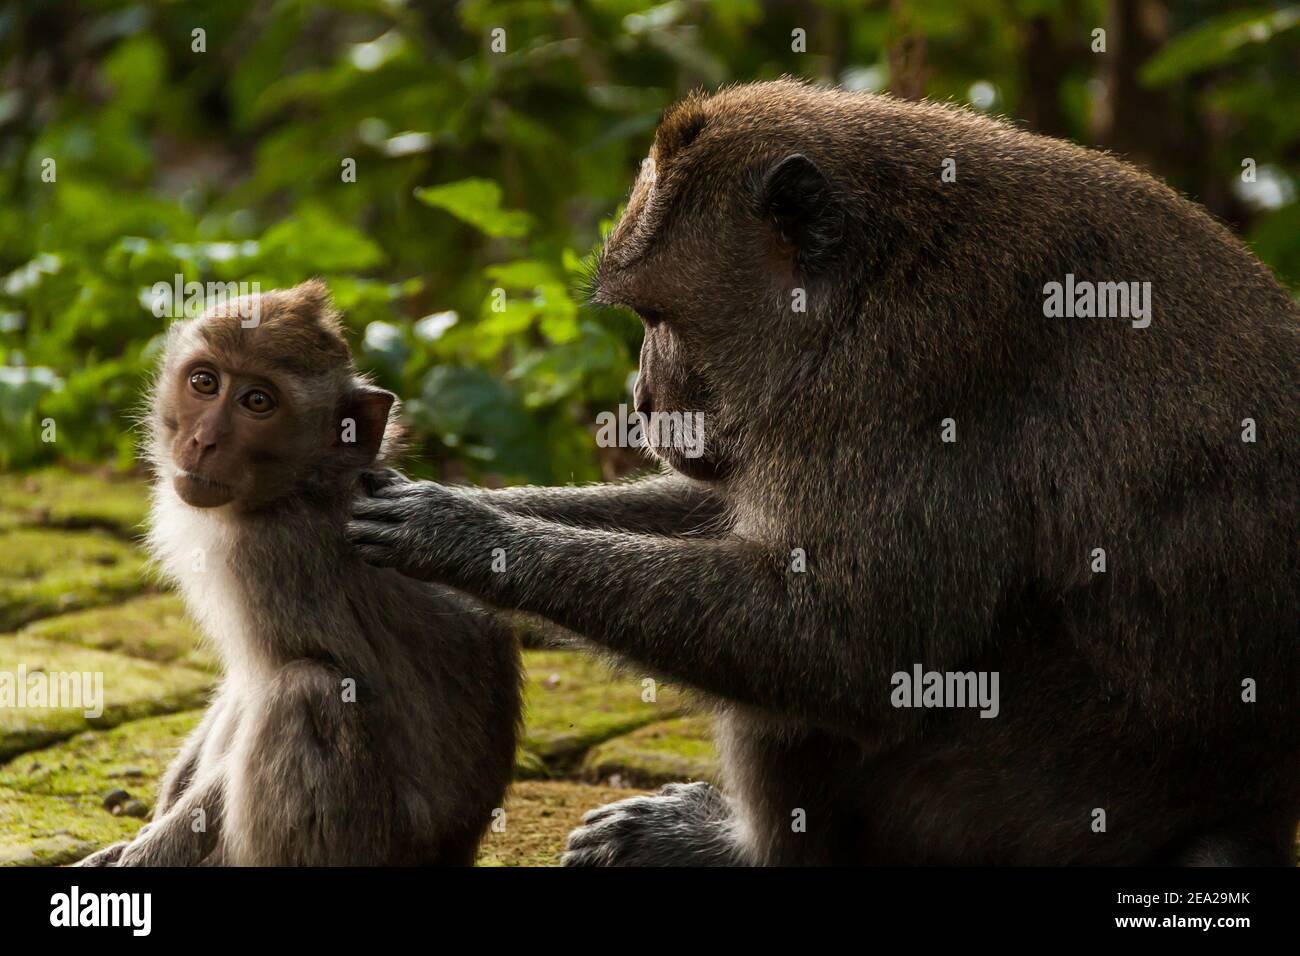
column 363, row 718
column 911, row 463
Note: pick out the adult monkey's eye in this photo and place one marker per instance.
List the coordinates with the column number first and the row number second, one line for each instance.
column 204, row 382
column 258, row 401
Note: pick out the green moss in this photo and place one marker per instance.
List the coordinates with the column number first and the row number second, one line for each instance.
column 66, row 499
column 529, row 763
column 52, row 831
column 539, row 816
column 666, row 752
column 51, row 801
column 47, row 830
column 49, row 572
column 95, row 762
column 155, row 627
column 131, row 689
column 573, row 702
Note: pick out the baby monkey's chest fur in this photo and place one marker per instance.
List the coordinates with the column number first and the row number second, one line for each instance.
column 345, row 731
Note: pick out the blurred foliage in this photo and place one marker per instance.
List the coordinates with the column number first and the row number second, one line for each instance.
column 485, row 176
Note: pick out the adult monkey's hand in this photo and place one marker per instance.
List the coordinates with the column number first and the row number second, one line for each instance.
column 421, row 528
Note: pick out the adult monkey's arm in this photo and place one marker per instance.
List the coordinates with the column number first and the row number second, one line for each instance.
column 661, row 504
column 725, row 615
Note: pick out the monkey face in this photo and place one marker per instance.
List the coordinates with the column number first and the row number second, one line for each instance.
column 676, row 392
column 234, row 433
column 673, row 399
column 245, row 415
column 727, row 238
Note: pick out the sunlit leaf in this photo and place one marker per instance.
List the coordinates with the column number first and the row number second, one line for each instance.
column 477, row 202
column 1216, row 41
column 314, row 240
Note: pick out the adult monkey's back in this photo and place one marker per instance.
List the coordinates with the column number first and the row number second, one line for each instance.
column 1148, row 712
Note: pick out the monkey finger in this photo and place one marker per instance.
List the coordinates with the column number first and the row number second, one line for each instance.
column 587, row 838
column 629, row 806
column 584, row 858
column 402, row 489
column 105, row 857
column 594, row 817
column 375, row 509
column 597, row 855
column 610, row 843
column 369, row 532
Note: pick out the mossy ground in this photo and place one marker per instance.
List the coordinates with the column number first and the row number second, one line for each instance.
column 539, row 815
column 51, row 800
column 110, row 689
column 64, row 499
column 660, row 753
column 48, row 571
column 573, row 702
column 75, row 596
column 153, row 627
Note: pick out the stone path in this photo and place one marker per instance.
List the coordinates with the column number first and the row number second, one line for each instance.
column 76, row 596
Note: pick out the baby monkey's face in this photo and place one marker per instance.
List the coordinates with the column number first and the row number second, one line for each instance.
column 249, row 411
column 234, row 434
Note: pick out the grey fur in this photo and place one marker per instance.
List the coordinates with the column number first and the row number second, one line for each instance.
column 283, row 770
column 682, row 825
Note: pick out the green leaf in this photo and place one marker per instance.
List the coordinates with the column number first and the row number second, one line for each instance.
column 516, row 317
column 559, row 321
column 471, row 408
column 136, row 69
column 315, row 240
column 593, row 362
column 477, row 202
column 520, row 274
column 1216, row 41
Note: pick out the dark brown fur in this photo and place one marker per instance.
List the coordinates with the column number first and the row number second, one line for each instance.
column 1121, row 691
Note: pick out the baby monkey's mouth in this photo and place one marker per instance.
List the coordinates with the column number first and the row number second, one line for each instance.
column 201, row 491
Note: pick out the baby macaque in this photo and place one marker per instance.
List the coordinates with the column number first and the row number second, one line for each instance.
column 364, row 718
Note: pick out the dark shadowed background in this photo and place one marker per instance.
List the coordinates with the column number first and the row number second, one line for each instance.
column 492, row 143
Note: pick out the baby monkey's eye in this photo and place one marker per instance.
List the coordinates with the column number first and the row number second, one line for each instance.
column 204, row 382
column 258, row 401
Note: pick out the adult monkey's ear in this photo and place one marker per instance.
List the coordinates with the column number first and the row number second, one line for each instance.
column 799, row 201
column 363, row 418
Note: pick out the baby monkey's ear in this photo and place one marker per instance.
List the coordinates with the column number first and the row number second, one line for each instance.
column 363, row 417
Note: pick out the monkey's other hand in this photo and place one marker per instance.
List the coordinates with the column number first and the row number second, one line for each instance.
column 106, row 857
column 672, row 828
column 420, row 528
